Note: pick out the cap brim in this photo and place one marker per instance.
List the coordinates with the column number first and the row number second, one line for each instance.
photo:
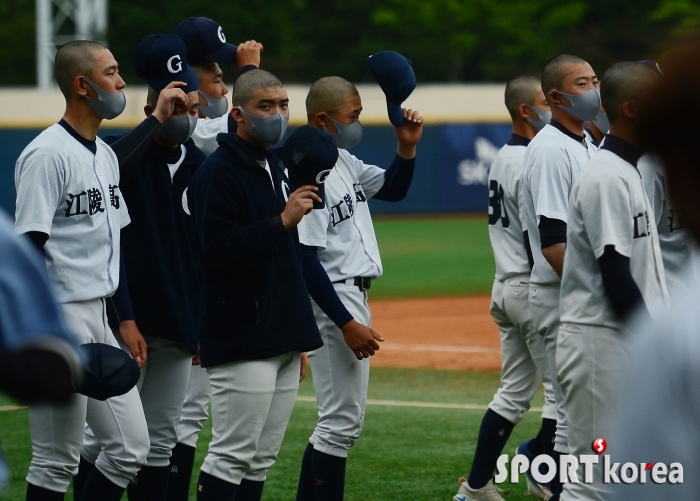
column 395, row 114
column 227, row 55
column 187, row 76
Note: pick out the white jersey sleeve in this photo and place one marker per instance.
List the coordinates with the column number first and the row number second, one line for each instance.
column 654, row 187
column 313, row 228
column 40, row 185
column 555, row 183
column 204, row 135
column 370, row 176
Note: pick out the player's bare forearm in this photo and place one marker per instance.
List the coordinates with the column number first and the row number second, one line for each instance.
column 133, row 339
column 554, row 254
column 406, row 151
column 409, row 134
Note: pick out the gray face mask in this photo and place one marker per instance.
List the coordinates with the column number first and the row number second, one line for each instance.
column 602, row 122
column 584, row 106
column 269, row 130
column 108, row 105
column 544, row 118
column 215, row 108
column 178, row 130
column 347, row 136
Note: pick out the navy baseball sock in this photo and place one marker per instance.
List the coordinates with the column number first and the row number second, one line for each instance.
column 181, row 465
column 547, row 432
column 100, row 488
column 249, row 490
column 306, row 490
column 84, row 470
column 35, row 493
column 210, row 488
column 150, row 484
column 556, row 484
column 328, row 476
column 493, row 435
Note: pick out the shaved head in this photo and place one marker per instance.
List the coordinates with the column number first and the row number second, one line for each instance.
column 521, row 90
column 250, row 81
column 556, row 70
column 622, row 82
column 77, row 58
column 328, row 94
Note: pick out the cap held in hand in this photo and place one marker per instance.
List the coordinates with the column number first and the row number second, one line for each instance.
column 394, row 74
column 205, row 39
column 162, row 59
column 108, row 371
column 309, row 155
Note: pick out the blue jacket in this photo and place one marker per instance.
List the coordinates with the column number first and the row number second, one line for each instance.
column 159, row 246
column 256, row 298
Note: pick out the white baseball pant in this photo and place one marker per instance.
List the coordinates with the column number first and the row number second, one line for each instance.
column 162, row 386
column 523, row 355
column 195, row 411
column 340, row 379
column 118, row 422
column 590, row 361
column 544, row 308
column 251, row 403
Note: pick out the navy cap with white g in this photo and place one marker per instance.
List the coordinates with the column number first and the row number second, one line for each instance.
column 205, row 40
column 394, row 74
column 162, row 59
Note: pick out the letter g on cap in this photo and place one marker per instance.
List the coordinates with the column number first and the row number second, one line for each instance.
column 178, row 66
column 222, row 37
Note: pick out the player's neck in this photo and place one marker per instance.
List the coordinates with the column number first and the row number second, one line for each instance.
column 625, row 133
column 524, row 129
column 82, row 119
column 597, row 134
column 572, row 124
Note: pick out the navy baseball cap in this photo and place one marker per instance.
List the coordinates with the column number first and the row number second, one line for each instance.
column 108, row 371
column 205, row 39
column 652, row 64
column 162, row 59
column 394, row 74
column 309, row 155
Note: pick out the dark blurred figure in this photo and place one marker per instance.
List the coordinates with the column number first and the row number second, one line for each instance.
column 660, row 408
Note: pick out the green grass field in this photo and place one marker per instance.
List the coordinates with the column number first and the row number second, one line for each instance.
column 405, row 453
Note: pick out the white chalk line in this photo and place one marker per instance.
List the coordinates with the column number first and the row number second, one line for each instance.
column 5, row 408
column 423, row 405
column 438, row 348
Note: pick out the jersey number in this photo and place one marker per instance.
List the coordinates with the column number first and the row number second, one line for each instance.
column 497, row 209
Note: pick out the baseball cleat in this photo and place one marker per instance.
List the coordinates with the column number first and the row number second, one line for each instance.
column 540, row 491
column 489, row 492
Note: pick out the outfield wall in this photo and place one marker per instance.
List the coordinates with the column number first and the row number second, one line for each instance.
column 465, row 127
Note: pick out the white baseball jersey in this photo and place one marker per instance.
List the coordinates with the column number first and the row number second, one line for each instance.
column 553, row 162
column 506, row 213
column 66, row 192
column 204, row 135
column 609, row 207
column 678, row 250
column 343, row 230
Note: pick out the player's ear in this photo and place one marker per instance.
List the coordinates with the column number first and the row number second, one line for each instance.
column 237, row 115
column 321, row 119
column 553, row 97
column 524, row 112
column 80, row 86
column 630, row 108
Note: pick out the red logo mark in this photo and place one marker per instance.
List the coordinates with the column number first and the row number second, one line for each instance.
column 599, row 446
column 648, row 466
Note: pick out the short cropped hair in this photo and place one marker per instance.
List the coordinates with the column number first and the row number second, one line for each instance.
column 152, row 97
column 76, row 58
column 202, row 67
column 622, row 82
column 249, row 82
column 554, row 71
column 521, row 90
column 328, row 94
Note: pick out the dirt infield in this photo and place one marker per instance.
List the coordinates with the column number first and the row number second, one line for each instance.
column 437, row 333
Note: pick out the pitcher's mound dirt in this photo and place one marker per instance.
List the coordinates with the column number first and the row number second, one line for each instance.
column 436, row 333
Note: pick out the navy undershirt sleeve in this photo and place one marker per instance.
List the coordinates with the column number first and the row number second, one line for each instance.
column 121, row 300
column 321, row 288
column 39, row 239
column 552, row 231
column 620, row 287
column 397, row 180
column 528, row 249
column 130, row 147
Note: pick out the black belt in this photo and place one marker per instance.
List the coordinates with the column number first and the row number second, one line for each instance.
column 362, row 283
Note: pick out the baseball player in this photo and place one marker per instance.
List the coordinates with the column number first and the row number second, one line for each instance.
column 259, row 316
column 206, row 49
column 341, row 258
column 613, row 264
column 160, row 261
column 68, row 203
column 553, row 160
column 596, row 129
column 523, row 354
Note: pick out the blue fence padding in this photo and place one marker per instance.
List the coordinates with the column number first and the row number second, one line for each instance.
column 451, row 167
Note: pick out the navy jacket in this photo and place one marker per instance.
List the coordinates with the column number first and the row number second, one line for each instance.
column 159, row 246
column 256, row 298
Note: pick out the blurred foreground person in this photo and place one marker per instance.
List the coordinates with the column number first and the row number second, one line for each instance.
column 660, row 405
